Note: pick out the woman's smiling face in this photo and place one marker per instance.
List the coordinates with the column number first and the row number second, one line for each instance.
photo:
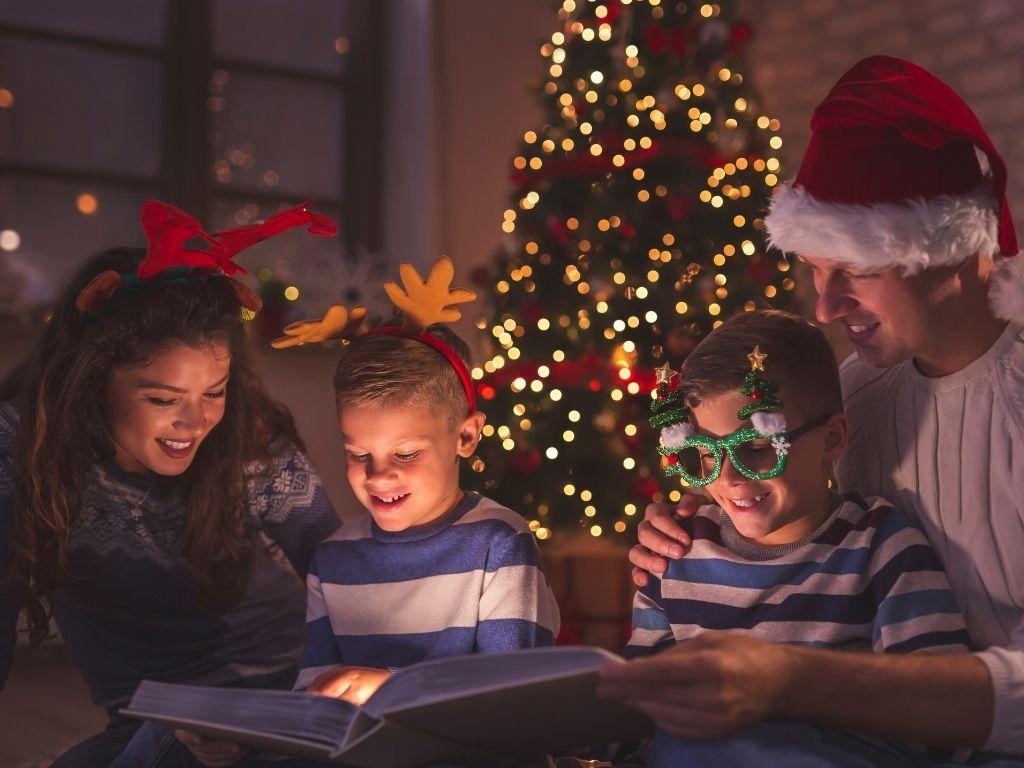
column 159, row 413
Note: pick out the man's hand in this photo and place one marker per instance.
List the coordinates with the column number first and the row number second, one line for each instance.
column 353, row 684
column 661, row 534
column 212, row 753
column 705, row 688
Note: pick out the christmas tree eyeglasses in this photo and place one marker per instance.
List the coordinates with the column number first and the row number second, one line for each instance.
column 699, row 460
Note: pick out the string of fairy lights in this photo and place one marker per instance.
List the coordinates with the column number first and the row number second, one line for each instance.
column 641, row 292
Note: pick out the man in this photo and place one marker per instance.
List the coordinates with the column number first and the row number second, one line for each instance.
column 899, row 208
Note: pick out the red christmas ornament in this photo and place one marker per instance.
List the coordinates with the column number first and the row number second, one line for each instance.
column 738, row 37
column 525, row 462
column 672, row 459
column 755, row 395
column 679, row 206
column 660, row 40
column 645, row 488
column 761, row 271
column 481, row 276
column 558, row 230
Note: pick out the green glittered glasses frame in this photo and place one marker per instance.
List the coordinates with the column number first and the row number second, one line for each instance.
column 730, row 444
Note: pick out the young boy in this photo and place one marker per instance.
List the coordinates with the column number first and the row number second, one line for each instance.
column 431, row 571
column 778, row 555
column 757, row 422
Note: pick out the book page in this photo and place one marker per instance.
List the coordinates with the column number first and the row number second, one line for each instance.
column 295, row 715
column 527, row 719
column 460, row 676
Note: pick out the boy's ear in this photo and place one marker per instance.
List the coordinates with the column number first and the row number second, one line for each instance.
column 836, row 437
column 469, row 434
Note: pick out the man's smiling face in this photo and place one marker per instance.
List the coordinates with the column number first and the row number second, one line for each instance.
column 888, row 316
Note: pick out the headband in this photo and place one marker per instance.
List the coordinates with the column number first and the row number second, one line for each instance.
column 423, row 302
column 180, row 250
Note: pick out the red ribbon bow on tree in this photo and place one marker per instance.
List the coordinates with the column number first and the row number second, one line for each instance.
column 660, row 40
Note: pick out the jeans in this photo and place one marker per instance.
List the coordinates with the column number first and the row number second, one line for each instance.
column 800, row 745
column 99, row 750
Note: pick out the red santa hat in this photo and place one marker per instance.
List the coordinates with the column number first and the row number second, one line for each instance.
column 899, row 173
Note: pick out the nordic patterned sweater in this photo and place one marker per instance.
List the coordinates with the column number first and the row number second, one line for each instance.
column 130, row 609
column 865, row 580
column 470, row 582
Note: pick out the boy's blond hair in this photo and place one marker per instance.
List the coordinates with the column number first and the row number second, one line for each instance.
column 387, row 371
column 800, row 360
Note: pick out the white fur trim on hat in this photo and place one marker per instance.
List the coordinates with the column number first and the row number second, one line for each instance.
column 913, row 234
column 768, row 423
column 1006, row 288
column 673, row 436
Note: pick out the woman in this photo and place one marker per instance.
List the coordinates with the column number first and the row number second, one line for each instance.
column 153, row 498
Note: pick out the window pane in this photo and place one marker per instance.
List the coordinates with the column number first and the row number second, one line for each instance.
column 54, row 236
column 310, row 35
column 285, row 253
column 80, row 109
column 310, row 263
column 277, row 135
column 128, row 21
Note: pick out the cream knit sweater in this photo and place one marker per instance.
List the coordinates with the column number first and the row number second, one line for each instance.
column 949, row 452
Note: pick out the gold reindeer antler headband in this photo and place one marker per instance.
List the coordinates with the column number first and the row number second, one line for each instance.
column 423, row 302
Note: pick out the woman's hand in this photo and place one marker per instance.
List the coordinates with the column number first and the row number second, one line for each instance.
column 661, row 535
column 212, row 753
column 353, row 684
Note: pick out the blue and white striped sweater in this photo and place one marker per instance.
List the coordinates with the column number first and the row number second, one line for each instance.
column 865, row 580
column 471, row 582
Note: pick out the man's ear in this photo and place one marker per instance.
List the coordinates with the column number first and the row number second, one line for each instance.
column 972, row 265
column 469, row 434
column 836, row 437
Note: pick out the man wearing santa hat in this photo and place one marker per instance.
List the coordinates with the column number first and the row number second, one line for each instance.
column 899, row 207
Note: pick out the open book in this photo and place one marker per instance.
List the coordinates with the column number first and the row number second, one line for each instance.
column 498, row 709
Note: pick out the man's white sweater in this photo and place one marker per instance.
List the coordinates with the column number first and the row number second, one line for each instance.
column 949, row 451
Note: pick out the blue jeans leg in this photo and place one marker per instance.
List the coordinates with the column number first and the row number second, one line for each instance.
column 155, row 745
column 99, row 750
column 790, row 744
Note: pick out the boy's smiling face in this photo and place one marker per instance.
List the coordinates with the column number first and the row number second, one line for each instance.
column 785, row 508
column 403, row 462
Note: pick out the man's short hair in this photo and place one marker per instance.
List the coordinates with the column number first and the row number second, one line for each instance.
column 388, row 371
column 800, row 360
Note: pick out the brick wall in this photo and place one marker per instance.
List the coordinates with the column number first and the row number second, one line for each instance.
column 977, row 46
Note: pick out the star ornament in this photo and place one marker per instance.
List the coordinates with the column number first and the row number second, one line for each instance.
column 757, row 358
column 664, row 374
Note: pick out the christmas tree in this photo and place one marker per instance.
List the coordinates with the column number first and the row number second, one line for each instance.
column 634, row 230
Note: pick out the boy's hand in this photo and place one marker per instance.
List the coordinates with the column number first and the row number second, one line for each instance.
column 353, row 684
column 661, row 534
column 212, row 753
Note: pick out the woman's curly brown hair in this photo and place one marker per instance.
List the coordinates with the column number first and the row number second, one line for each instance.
column 59, row 393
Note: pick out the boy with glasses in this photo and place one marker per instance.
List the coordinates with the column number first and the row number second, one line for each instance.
column 778, row 555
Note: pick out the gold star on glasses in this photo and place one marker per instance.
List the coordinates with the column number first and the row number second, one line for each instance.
column 664, row 374
column 757, row 358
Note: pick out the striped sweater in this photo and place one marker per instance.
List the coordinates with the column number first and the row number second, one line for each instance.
column 470, row 582
column 865, row 580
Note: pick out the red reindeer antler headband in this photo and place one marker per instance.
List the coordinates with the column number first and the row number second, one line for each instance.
column 170, row 233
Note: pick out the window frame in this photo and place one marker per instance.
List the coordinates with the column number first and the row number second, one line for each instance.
column 187, row 64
